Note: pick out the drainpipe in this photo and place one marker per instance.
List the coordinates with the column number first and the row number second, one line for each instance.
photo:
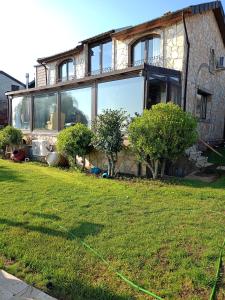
column 187, row 63
column 45, row 72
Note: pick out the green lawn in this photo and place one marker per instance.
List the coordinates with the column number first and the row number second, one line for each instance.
column 165, row 237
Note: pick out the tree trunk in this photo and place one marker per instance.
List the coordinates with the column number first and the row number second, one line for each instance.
column 156, row 168
column 163, row 167
column 109, row 166
column 83, row 162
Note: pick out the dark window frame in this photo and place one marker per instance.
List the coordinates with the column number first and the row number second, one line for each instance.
column 132, row 45
column 60, row 66
column 203, row 105
column 101, row 69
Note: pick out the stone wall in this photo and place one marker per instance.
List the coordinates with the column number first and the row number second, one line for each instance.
column 40, row 76
column 204, row 35
column 171, row 49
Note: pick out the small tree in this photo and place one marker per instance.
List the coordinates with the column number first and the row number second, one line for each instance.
column 74, row 141
column 109, row 129
column 10, row 136
column 162, row 133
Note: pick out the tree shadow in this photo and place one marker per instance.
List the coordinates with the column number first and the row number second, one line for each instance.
column 81, row 291
column 7, row 174
column 192, row 183
column 45, row 216
column 73, row 289
column 83, row 230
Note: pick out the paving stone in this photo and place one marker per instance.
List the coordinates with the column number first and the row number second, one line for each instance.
column 12, row 288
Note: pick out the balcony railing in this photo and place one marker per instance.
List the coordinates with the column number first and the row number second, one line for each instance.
column 158, row 61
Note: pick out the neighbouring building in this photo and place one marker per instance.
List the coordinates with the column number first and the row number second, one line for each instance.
column 7, row 83
column 178, row 57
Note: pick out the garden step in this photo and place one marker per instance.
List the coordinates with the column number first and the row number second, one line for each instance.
column 12, row 288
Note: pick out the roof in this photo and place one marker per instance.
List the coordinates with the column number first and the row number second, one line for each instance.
column 172, row 17
column 12, row 78
column 164, row 20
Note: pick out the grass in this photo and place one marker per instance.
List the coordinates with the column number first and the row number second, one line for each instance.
column 164, row 236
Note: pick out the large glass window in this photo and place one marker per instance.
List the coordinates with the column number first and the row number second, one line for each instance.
column 100, row 58
column 76, row 107
column 21, row 112
column 45, row 112
column 126, row 94
column 146, row 50
column 66, row 70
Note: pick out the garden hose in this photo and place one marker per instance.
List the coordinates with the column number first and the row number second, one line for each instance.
column 124, row 278
column 131, row 283
column 213, row 293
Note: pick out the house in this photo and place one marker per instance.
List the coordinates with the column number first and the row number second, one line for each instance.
column 7, row 83
column 177, row 57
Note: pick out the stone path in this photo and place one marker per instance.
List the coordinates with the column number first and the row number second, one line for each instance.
column 12, row 288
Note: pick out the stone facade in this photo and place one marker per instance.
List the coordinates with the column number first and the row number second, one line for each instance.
column 204, row 35
column 206, row 45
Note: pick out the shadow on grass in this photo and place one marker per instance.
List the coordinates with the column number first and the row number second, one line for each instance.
column 45, row 216
column 80, row 291
column 218, row 184
column 7, row 174
column 74, row 289
column 83, row 230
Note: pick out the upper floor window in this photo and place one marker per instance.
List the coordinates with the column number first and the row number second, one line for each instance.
column 146, row 50
column 100, row 58
column 66, row 70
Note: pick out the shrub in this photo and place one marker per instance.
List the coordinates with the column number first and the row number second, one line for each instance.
column 74, row 141
column 10, row 136
column 109, row 129
column 162, row 133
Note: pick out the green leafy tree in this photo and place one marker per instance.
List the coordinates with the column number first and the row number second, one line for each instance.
column 109, row 129
column 162, row 133
column 10, row 136
column 75, row 141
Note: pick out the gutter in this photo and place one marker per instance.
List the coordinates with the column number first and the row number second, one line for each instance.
column 187, row 62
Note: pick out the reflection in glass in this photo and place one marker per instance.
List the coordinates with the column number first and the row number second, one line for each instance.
column 101, row 58
column 95, row 58
column 66, row 70
column 45, row 112
column 157, row 92
column 126, row 94
column 76, row 107
column 21, row 112
column 106, row 56
column 147, row 50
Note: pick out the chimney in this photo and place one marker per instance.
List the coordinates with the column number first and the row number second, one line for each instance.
column 27, row 80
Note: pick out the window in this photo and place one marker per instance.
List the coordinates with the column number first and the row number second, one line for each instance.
column 146, row 50
column 76, row 107
column 201, row 107
column 100, row 58
column 14, row 87
column 126, row 94
column 21, row 112
column 45, row 112
column 66, row 70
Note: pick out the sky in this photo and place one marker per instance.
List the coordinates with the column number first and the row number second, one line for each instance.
column 30, row 29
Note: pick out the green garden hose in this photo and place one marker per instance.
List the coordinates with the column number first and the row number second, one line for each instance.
column 213, row 293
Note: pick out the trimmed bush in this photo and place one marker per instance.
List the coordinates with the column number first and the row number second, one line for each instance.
column 74, row 141
column 10, row 136
column 162, row 133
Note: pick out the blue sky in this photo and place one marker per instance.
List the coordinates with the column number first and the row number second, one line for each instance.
column 37, row 28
